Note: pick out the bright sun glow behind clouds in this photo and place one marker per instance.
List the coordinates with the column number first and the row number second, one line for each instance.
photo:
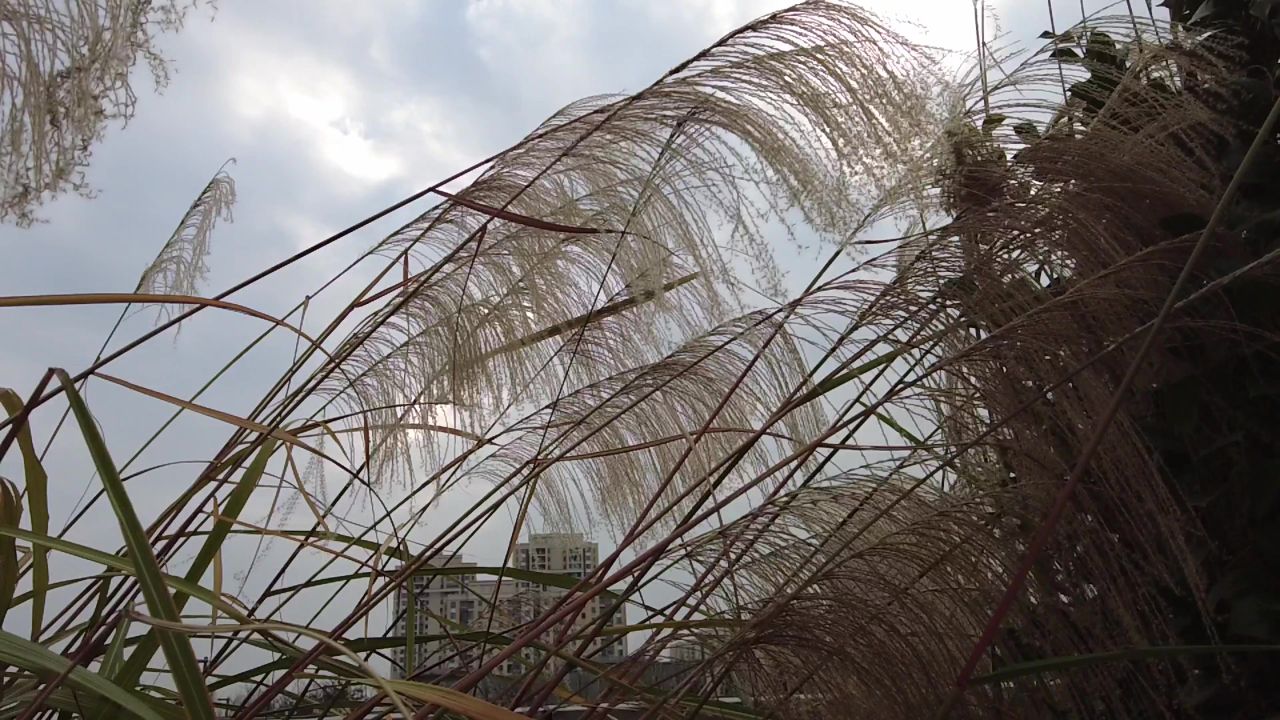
column 320, row 107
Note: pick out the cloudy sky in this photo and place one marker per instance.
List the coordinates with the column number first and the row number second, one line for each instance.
column 332, row 109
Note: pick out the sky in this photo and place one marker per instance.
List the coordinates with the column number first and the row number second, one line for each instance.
column 332, row 110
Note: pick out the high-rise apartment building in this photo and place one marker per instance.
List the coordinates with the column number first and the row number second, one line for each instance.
column 686, row 650
column 455, row 597
column 460, row 602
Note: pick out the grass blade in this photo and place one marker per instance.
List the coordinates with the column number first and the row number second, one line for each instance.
column 519, row 219
column 454, row 701
column 116, row 562
column 37, row 485
column 566, row 582
column 177, row 648
column 835, row 380
column 10, row 515
column 28, row 595
column 217, row 571
column 410, row 629
column 225, row 417
column 37, row 659
column 115, row 651
column 59, row 300
column 111, row 662
column 323, row 639
column 235, row 503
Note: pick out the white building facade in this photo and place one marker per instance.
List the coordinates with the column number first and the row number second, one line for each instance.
column 453, row 608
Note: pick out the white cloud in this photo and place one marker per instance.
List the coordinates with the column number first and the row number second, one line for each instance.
column 427, row 138
column 543, row 42
column 363, row 119
column 313, row 102
column 941, row 23
column 705, row 21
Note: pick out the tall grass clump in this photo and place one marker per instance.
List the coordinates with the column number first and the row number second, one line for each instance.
column 1004, row 454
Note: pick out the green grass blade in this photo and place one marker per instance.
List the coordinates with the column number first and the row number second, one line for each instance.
column 836, row 380
column 111, row 663
column 359, row 645
column 229, row 512
column 37, row 481
column 179, row 655
column 314, row 535
column 74, row 704
column 115, row 651
column 239, row 497
column 324, row 639
column 37, row 659
column 28, row 595
column 10, row 516
column 410, row 630
column 115, row 562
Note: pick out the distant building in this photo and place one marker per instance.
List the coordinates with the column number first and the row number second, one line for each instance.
column 686, row 650
column 572, row 555
column 459, row 602
column 456, row 597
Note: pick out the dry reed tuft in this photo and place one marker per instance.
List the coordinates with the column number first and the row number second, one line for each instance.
column 834, row 491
